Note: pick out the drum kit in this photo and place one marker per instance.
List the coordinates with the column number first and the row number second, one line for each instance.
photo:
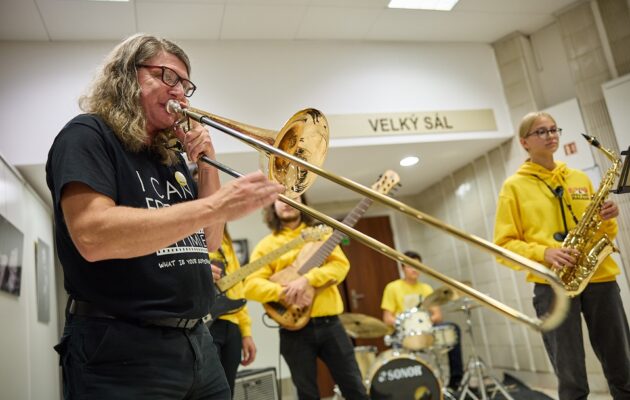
column 398, row 373
column 414, row 366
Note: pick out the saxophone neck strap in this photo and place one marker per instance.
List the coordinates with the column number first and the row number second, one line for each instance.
column 558, row 193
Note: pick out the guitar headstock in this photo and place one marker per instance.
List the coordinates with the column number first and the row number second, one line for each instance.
column 388, row 181
column 315, row 233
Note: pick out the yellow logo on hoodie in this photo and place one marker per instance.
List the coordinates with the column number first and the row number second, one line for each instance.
column 579, row 193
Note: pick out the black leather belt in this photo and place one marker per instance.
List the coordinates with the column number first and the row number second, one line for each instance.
column 325, row 320
column 84, row 309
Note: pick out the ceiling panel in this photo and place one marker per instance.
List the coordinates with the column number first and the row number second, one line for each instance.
column 273, row 3
column 92, row 20
column 382, row 4
column 180, row 20
column 20, row 20
column 437, row 26
column 337, row 23
column 512, row 6
column 261, row 22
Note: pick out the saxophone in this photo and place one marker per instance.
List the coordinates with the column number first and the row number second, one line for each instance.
column 585, row 237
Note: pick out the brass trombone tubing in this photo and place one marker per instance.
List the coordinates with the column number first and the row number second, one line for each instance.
column 550, row 321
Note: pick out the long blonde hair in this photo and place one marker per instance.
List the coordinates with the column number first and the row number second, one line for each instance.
column 114, row 94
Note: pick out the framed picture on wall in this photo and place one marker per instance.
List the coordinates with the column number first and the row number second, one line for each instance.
column 241, row 249
column 10, row 257
column 42, row 271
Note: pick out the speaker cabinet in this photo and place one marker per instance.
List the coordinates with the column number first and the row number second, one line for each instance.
column 256, row 384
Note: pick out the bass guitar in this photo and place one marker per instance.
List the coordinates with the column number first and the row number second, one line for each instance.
column 290, row 316
column 224, row 305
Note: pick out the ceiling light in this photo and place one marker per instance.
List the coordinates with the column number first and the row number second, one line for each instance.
column 440, row 5
column 463, row 189
column 409, row 161
column 118, row 1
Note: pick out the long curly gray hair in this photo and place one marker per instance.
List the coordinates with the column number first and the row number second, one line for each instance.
column 114, row 94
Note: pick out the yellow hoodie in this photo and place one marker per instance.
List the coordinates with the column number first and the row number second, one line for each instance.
column 241, row 317
column 258, row 287
column 528, row 214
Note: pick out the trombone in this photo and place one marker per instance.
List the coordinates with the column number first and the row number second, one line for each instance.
column 305, row 137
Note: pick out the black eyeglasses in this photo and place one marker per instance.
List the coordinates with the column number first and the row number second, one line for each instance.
column 544, row 132
column 171, row 78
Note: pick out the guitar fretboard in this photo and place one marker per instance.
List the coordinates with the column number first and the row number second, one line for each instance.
column 232, row 279
column 324, row 251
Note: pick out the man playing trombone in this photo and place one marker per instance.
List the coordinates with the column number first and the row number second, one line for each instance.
column 133, row 231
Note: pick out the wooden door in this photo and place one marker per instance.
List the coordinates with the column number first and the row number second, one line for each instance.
column 370, row 272
column 362, row 289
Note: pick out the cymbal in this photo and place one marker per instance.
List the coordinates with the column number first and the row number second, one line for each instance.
column 442, row 295
column 361, row 326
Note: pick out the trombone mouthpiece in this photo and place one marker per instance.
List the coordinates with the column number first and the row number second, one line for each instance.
column 172, row 106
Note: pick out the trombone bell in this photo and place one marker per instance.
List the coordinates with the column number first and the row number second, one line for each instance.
column 305, row 136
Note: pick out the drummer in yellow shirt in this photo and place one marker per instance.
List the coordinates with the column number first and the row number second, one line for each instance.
column 402, row 294
column 406, row 293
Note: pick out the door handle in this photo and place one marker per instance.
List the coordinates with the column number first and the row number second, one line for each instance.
column 355, row 297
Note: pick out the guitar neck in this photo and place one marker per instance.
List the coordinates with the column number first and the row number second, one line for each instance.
column 329, row 245
column 232, row 279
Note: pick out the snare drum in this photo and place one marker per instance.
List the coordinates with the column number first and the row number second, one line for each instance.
column 400, row 375
column 445, row 336
column 365, row 356
column 414, row 327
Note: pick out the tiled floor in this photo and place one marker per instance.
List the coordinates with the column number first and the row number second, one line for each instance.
column 592, row 396
column 554, row 395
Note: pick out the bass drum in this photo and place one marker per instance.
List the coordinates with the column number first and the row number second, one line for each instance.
column 400, row 375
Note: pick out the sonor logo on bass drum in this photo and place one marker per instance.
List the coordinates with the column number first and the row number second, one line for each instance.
column 400, row 373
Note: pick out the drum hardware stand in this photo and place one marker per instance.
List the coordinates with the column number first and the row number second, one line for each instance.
column 446, row 393
column 477, row 368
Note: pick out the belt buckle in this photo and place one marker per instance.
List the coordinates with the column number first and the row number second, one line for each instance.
column 188, row 323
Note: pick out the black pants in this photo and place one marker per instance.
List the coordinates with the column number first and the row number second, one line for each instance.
column 112, row 359
column 229, row 344
column 323, row 338
column 601, row 305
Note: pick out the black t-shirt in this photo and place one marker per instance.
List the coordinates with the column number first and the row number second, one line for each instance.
column 175, row 281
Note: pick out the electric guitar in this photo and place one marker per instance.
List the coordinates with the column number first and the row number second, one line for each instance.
column 290, row 316
column 224, row 305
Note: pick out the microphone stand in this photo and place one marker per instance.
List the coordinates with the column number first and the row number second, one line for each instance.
column 624, row 179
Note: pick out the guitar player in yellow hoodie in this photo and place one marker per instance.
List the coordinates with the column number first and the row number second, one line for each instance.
column 323, row 335
column 536, row 208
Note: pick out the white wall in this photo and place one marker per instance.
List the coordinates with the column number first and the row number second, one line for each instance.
column 28, row 364
column 552, row 66
column 617, row 95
